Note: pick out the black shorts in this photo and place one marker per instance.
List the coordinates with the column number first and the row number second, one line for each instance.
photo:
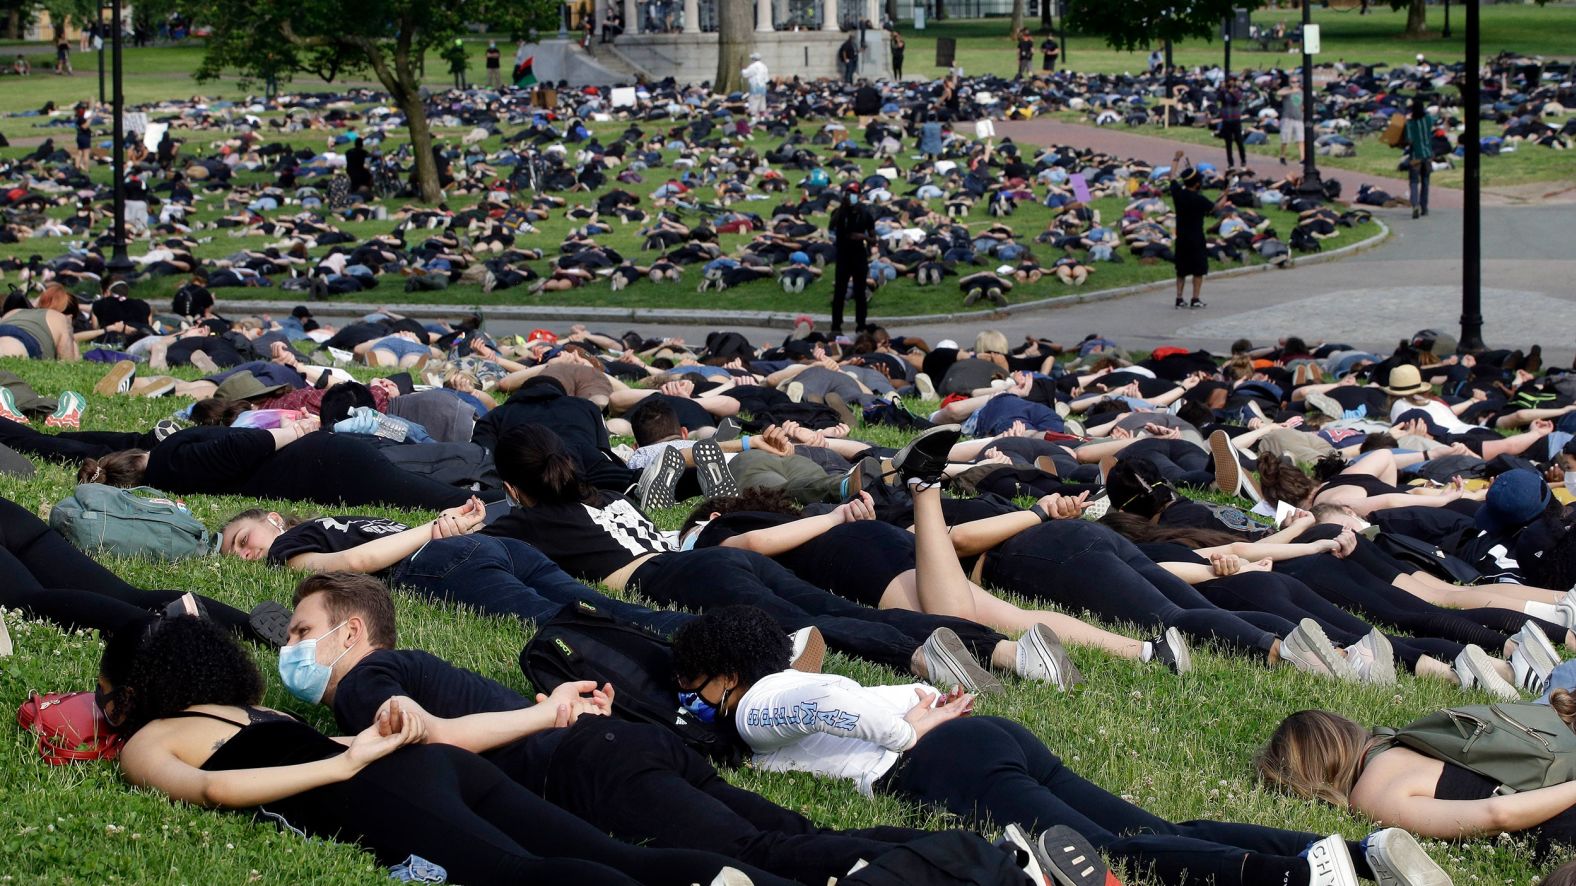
column 1192, row 263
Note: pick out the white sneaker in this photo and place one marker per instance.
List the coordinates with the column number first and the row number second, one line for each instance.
column 732, row 877
column 1397, row 860
column 1373, row 658
column 949, row 663
column 809, row 650
column 1309, row 649
column 1475, row 670
column 1042, row 657
column 1330, row 863
column 1028, row 854
column 1534, row 659
column 926, row 387
column 1567, row 607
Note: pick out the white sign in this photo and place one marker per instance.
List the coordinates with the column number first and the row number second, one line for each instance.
column 133, row 122
column 623, row 97
column 150, row 139
column 984, row 129
column 1310, row 39
column 919, row 16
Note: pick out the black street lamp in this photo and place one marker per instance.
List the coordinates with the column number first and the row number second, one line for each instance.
column 1472, row 195
column 119, row 263
column 100, row 24
column 1310, row 173
column 1446, row 32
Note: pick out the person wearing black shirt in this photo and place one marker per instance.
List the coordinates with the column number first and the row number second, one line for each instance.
column 1192, row 208
column 356, row 167
column 1051, row 51
column 898, row 49
column 852, row 228
column 637, row 781
column 1025, row 53
column 847, row 59
column 494, row 72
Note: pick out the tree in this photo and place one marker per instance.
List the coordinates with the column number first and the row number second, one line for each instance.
column 1416, row 16
column 735, row 30
column 1131, row 24
column 1017, row 15
column 273, row 39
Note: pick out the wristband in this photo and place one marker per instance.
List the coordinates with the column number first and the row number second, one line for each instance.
column 1040, row 512
column 744, row 443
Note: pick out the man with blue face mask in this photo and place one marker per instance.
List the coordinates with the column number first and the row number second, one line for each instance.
column 852, row 230
column 637, row 781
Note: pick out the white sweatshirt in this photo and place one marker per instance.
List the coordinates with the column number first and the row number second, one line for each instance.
column 827, row 725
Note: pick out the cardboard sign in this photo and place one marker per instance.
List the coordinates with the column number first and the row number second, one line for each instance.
column 623, row 97
column 984, row 129
column 1080, row 187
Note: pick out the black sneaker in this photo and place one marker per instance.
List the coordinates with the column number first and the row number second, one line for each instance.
column 728, row 429
column 711, row 469
column 1069, row 858
column 185, row 605
column 925, row 456
column 1171, row 650
column 271, row 623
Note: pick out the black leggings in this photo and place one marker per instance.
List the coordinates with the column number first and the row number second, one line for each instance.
column 455, row 809
column 1293, row 600
column 706, row 578
column 47, row 577
column 1179, row 462
column 1232, row 133
column 1086, row 566
column 339, row 469
column 990, row 768
column 70, row 446
column 642, row 784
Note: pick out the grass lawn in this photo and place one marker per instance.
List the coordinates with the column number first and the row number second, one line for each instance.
column 1181, row 747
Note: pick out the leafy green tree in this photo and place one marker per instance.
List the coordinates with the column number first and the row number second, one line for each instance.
column 271, row 39
column 1132, row 24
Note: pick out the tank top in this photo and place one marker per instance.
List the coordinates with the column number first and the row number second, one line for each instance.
column 1366, row 482
column 268, row 738
column 33, row 322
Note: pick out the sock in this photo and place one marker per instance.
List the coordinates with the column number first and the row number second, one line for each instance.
column 1276, row 870
column 1545, row 611
column 1149, row 652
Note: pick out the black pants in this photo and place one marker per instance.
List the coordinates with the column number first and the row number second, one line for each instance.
column 853, row 272
column 1179, row 462
column 334, row 469
column 990, row 768
column 642, row 784
column 48, row 577
column 1232, row 133
column 1083, row 565
column 69, row 446
column 1286, row 596
column 457, row 810
column 709, row 577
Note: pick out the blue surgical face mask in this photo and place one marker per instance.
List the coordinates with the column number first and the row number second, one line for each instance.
column 304, row 676
column 853, row 199
column 704, row 711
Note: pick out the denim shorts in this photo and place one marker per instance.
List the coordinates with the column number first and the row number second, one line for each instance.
column 400, row 347
column 34, row 350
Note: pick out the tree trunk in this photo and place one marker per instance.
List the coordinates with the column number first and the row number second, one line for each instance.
column 735, row 27
column 941, row 10
column 1017, row 15
column 404, row 88
column 421, row 144
column 1417, row 19
column 891, row 12
column 1046, row 8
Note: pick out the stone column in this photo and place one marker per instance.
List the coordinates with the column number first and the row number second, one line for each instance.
column 692, row 16
column 631, row 17
column 763, row 15
column 828, row 15
column 873, row 13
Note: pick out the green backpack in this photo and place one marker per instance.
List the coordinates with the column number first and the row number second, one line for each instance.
column 137, row 522
column 1522, row 746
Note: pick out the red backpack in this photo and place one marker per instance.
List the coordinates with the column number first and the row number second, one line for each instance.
column 70, row 727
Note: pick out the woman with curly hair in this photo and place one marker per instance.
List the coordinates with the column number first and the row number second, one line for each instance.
column 187, row 699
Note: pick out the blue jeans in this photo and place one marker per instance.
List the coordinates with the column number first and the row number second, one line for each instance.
column 506, row 576
column 1417, row 180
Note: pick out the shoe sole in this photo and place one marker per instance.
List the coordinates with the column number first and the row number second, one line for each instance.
column 1537, row 657
column 927, row 388
column 1032, row 862
column 665, row 473
column 1049, row 647
column 944, row 644
column 1480, row 668
column 117, row 380
column 1228, row 473
column 1070, row 858
column 837, row 404
column 1395, row 853
column 1324, row 659
column 1539, row 646
column 813, row 656
column 1382, row 671
column 711, row 469
column 1178, row 645
column 1098, row 508
column 271, row 621
column 157, row 389
column 903, row 454
column 796, row 392
column 1335, row 868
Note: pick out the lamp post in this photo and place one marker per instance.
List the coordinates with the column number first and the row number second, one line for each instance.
column 1471, row 202
column 119, row 263
column 100, row 19
column 1446, row 31
column 1225, row 36
column 1310, row 173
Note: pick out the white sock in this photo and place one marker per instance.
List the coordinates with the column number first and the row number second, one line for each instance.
column 1149, row 652
column 1545, row 611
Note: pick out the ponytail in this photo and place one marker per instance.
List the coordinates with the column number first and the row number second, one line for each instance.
column 1283, row 481
column 534, row 460
column 124, row 468
column 1564, row 703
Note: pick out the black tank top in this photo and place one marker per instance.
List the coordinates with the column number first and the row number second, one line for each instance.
column 1366, row 482
column 268, row 738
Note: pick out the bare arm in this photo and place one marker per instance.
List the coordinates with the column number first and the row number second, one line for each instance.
column 381, row 553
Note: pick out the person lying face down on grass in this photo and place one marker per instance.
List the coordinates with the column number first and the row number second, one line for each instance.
column 923, row 745
column 186, row 698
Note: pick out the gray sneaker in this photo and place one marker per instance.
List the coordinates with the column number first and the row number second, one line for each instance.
column 949, row 663
column 1397, row 860
column 1309, row 649
column 1373, row 658
column 660, row 479
column 1534, row 659
column 1475, row 670
column 1326, row 404
column 711, row 469
column 1042, row 657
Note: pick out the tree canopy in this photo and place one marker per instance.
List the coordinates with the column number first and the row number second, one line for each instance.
column 272, row 39
column 1134, row 24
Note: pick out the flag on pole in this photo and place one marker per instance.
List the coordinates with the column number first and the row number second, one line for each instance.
column 524, row 73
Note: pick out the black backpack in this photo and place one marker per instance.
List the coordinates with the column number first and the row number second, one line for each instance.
column 583, row 643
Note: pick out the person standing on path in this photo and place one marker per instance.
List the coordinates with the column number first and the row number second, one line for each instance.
column 1192, row 207
column 1417, row 140
column 1051, row 51
column 494, row 61
column 756, row 79
column 898, row 48
column 1231, row 119
column 847, row 58
column 852, row 228
column 1025, row 53
column 1291, row 129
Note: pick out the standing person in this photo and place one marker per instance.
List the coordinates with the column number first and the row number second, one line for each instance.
column 847, row 58
column 1191, row 209
column 1025, row 53
column 1051, row 51
column 756, row 78
column 494, row 59
column 356, row 167
column 852, row 228
column 84, row 155
column 1418, row 141
column 63, row 56
column 456, row 57
column 1291, row 129
column 1231, row 119
column 898, row 47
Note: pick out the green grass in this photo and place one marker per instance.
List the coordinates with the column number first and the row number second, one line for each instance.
column 1181, row 747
